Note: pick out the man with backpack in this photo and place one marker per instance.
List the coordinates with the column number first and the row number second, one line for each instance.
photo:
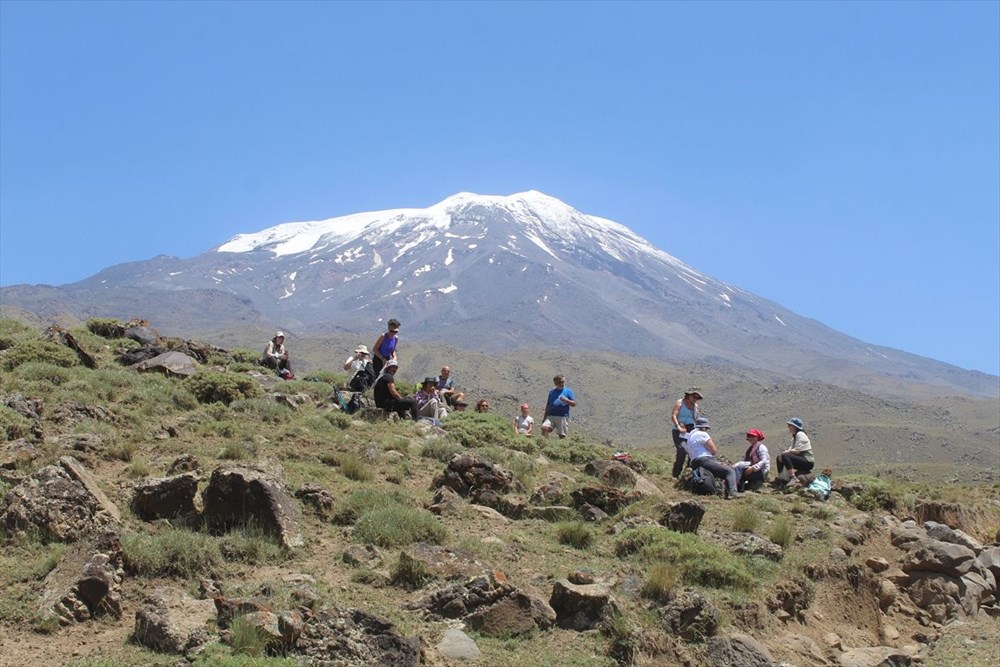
column 364, row 371
column 701, row 450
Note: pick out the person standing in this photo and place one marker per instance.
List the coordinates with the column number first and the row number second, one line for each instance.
column 756, row 462
column 702, row 450
column 385, row 346
column 683, row 416
column 276, row 356
column 524, row 423
column 388, row 397
column 557, row 405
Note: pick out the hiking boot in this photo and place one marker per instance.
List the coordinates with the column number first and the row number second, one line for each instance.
column 734, row 495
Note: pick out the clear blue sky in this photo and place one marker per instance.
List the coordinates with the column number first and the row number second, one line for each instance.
column 842, row 159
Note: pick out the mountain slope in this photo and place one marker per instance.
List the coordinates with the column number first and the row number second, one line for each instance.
column 493, row 273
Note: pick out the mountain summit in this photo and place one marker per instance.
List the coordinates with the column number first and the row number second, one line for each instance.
column 489, row 273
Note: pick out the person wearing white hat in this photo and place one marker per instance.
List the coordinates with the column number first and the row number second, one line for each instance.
column 361, row 368
column 276, row 356
column 702, row 452
column 388, row 397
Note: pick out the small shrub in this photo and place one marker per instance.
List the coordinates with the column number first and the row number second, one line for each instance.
column 246, row 638
column 353, row 467
column 398, row 526
column 13, row 425
column 238, row 451
column 440, row 450
column 697, row 561
column 574, row 450
column 782, row 531
column 369, row 578
column 243, row 355
column 765, row 504
column 329, row 378
column 318, row 391
column 877, row 495
column 576, row 534
column 106, row 327
column 745, row 519
column 660, row 582
column 365, row 500
column 214, row 387
column 338, row 419
column 409, row 573
column 473, row 429
column 123, row 451
column 41, row 371
column 249, row 544
column 171, row 552
column 12, row 330
column 822, row 512
column 138, row 469
column 34, row 350
column 266, row 411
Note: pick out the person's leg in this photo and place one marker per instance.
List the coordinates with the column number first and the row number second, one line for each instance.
column 546, row 427
column 720, row 470
column 269, row 362
column 429, row 409
column 562, row 426
column 740, row 468
column 680, row 455
column 751, row 481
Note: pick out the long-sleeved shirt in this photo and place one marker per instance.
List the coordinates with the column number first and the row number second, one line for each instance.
column 801, row 446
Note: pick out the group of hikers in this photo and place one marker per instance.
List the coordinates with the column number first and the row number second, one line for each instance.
column 694, row 448
column 435, row 396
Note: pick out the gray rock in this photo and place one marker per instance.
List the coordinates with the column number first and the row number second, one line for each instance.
column 737, row 650
column 691, row 616
column 939, row 531
column 316, row 497
column 165, row 497
column 171, row 364
column 144, row 335
column 443, row 562
column 838, row 554
column 877, row 564
column 359, row 555
column 173, row 622
column 612, row 473
column 237, row 496
column 446, row 502
column 608, row 498
column 989, row 559
column 906, row 533
column 87, row 581
column 467, row 472
column 515, row 614
column 184, row 463
column 456, row 645
column 805, row 647
column 886, row 594
column 874, row 656
column 683, row 517
column 353, row 638
column 929, row 555
column 748, row 544
column 581, row 607
column 937, row 594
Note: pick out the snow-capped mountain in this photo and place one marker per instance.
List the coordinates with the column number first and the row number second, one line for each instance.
column 491, row 273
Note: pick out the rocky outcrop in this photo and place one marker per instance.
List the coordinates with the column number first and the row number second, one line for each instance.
column 737, row 650
column 612, row 473
column 354, row 638
column 441, row 562
column 171, row 621
column 237, row 496
column 691, row 616
column 490, row 605
column 165, row 497
column 607, row 498
column 63, row 502
column 467, row 473
column 683, row 517
column 582, row 607
column 87, row 581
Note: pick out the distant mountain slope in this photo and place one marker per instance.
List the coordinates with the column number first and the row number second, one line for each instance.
column 491, row 273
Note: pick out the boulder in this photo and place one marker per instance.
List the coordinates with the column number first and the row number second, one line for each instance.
column 551, row 492
column 87, row 581
column 443, row 562
column 737, row 650
column 939, row 531
column 646, row 488
column 446, row 502
column 237, row 496
column 358, row 555
column 691, row 616
column 165, row 497
column 456, row 645
column 19, row 454
column 353, row 638
column 937, row 594
column 805, row 647
column 906, row 533
column 581, row 607
column 929, row 555
column 607, row 498
column 173, row 622
column 989, row 559
column 511, row 506
column 876, row 564
column 171, row 364
column 515, row 614
column 467, row 472
column 874, row 656
column 62, row 501
column 612, row 473
column 683, row 517
column 143, row 334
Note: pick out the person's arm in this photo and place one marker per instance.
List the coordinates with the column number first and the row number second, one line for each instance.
column 375, row 348
column 675, row 416
column 567, row 398
column 391, row 387
column 516, row 432
column 710, row 446
column 349, row 362
column 798, row 445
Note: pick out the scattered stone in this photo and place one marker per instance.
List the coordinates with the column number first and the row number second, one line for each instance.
column 316, row 497
column 886, row 593
column 85, row 443
column 353, row 638
column 456, row 645
column 443, row 562
column 581, row 577
column 165, row 497
column 691, row 616
column 87, row 581
column 510, row 506
column 467, row 472
column 490, row 513
column 607, row 498
column 549, row 493
column 794, row 597
column 184, row 463
column 877, row 565
column 890, row 633
column 490, row 605
column 906, row 533
column 612, row 473
column 593, row 514
column 646, row 488
column 239, row 495
column 173, row 622
column 71, row 412
column 581, row 607
column 838, row 554
column 446, row 502
column 874, row 656
column 748, row 544
column 737, row 650
column 358, row 555
column 19, row 454
column 171, row 364
column 683, row 517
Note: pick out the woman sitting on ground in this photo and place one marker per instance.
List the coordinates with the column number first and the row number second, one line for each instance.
column 429, row 401
column 388, row 397
column 797, row 459
column 753, row 470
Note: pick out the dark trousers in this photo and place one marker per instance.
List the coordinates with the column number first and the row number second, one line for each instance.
column 680, row 454
column 718, row 470
column 276, row 364
column 406, row 408
column 753, row 480
column 795, row 463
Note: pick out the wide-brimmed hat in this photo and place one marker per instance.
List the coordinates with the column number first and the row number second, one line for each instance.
column 280, row 334
column 695, row 391
column 796, row 422
column 701, row 422
column 363, row 349
column 756, row 433
column 429, row 380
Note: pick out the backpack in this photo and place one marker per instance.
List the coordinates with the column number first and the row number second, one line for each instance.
column 821, row 487
column 363, row 379
column 355, row 404
column 702, row 482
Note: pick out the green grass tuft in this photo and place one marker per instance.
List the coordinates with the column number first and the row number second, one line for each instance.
column 782, row 531
column 576, row 534
column 398, row 526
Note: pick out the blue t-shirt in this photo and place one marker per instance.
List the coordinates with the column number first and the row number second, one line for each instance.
column 556, row 407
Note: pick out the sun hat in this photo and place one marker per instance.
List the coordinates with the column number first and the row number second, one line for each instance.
column 701, row 422
column 694, row 391
column 429, row 380
column 391, row 362
column 361, row 348
column 757, row 433
column 462, row 403
column 280, row 334
column 796, row 422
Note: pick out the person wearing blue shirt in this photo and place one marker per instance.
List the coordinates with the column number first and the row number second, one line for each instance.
column 557, row 406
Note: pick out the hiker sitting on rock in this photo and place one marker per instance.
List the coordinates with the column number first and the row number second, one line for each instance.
column 702, row 451
column 446, row 387
column 797, row 459
column 360, row 365
column 276, row 356
column 752, row 471
column 428, row 401
column 388, row 397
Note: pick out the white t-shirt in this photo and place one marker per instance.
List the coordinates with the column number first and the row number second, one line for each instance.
column 695, row 444
column 356, row 364
column 523, row 423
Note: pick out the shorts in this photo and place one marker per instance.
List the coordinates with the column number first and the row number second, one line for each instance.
column 558, row 424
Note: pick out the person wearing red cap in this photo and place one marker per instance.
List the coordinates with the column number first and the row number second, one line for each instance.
column 756, row 463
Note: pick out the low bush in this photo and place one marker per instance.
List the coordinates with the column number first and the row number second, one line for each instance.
column 473, row 429
column 660, row 582
column 353, row 467
column 246, row 638
column 41, row 371
column 398, row 526
column 746, row 519
column 186, row 553
column 266, row 411
column 440, row 450
column 362, row 501
column 214, row 387
column 409, row 573
column 138, row 469
column 13, row 425
column 238, row 451
column 878, row 495
column 25, row 351
column 697, row 561
column 338, row 419
column 12, row 331
column 106, row 327
column 782, row 531
column 576, row 534
column 574, row 450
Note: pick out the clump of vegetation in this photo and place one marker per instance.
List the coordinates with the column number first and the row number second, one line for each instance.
column 26, row 350
column 238, row 451
column 473, row 429
column 363, row 501
column 338, row 419
column 746, row 519
column 877, row 495
column 266, row 411
column 441, row 450
column 13, row 425
column 123, row 450
column 697, row 561
column 138, row 469
column 661, row 580
column 106, row 327
column 409, row 573
column 246, row 638
column 574, row 449
column 782, row 531
column 215, row 387
column 12, row 331
column 186, row 553
column 398, row 526
column 354, row 467
column 576, row 534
